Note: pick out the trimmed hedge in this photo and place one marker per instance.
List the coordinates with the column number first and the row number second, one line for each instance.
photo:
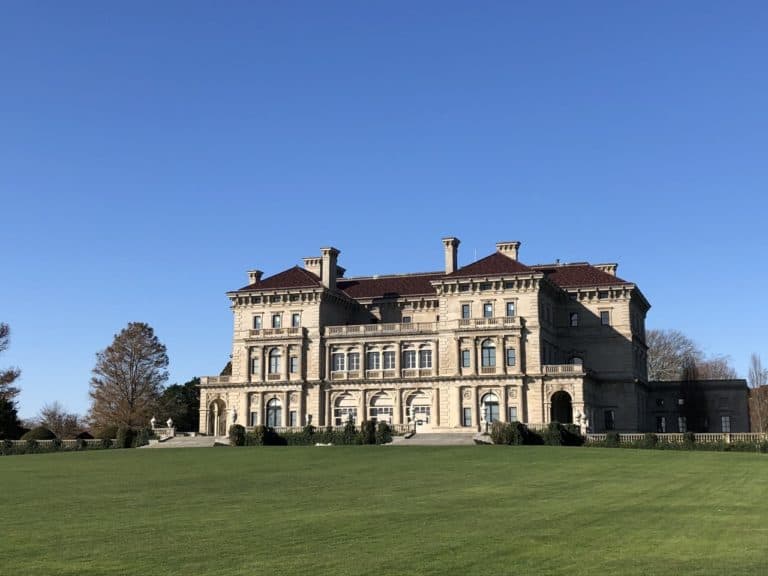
column 39, row 433
column 517, row 433
column 369, row 433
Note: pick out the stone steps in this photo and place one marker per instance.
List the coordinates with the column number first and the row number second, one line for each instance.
column 187, row 442
column 435, row 439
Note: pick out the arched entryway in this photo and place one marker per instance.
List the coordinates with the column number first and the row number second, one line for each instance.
column 561, row 409
column 344, row 410
column 381, row 408
column 217, row 418
column 489, row 406
column 419, row 407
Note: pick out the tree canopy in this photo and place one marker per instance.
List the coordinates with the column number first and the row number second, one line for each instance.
column 181, row 402
column 9, row 375
column 674, row 356
column 128, row 378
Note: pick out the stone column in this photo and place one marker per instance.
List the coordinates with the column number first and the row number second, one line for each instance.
column 301, row 409
column 216, row 417
column 475, row 407
column 503, row 340
column 397, row 417
column 361, row 415
column 436, row 358
column 263, row 364
column 458, row 357
column 503, row 404
column 285, row 350
column 246, row 364
column 435, row 407
column 457, row 397
column 398, row 353
column 286, row 408
column 326, row 373
column 475, row 356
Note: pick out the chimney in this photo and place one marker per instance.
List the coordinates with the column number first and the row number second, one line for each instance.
column 254, row 276
column 313, row 264
column 328, row 268
column 451, row 245
column 509, row 249
column 608, row 268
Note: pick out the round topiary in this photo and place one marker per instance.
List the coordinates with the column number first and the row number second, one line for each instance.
column 39, row 433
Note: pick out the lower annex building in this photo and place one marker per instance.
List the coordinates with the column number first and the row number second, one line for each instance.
column 452, row 350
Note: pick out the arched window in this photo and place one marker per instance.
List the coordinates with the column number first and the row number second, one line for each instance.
column 488, row 353
column 274, row 361
column 490, row 404
column 577, row 361
column 274, row 412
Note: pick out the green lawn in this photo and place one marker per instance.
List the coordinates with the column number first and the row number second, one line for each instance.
column 385, row 510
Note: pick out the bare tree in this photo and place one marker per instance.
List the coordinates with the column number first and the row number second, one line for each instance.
column 669, row 352
column 62, row 423
column 717, row 368
column 8, row 376
column 758, row 401
column 128, row 378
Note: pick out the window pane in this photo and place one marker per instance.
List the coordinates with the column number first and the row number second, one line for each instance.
column 353, row 358
column 425, row 358
column 465, row 310
column 605, row 318
column 465, row 358
column 296, row 320
column 257, row 322
column 389, row 360
column 487, row 310
column 511, row 357
column 510, row 308
column 276, row 321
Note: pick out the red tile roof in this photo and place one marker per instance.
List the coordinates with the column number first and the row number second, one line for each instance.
column 494, row 265
column 576, row 275
column 389, row 286
column 295, row 277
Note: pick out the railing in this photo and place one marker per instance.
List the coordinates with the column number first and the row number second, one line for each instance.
column 389, row 328
column 274, row 332
column 274, row 376
column 488, row 370
column 215, row 379
column 493, row 322
column 563, row 369
column 678, row 438
column 378, row 374
column 396, row 429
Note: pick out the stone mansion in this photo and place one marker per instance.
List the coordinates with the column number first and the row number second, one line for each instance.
column 439, row 351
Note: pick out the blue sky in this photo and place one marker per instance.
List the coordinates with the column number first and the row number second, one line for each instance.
column 151, row 153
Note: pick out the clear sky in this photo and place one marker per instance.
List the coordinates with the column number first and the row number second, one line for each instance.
column 152, row 152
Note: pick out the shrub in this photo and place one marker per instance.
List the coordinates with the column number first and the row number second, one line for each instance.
column 501, row 433
column 32, row 446
column 106, row 443
column 368, row 432
column 81, row 444
column 6, row 447
column 142, row 437
column 39, row 433
column 689, row 441
column 649, row 441
column 237, row 435
column 56, row 445
column 124, row 437
column 349, row 435
column 612, row 439
column 383, row 433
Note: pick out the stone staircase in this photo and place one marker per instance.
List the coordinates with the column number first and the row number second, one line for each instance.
column 435, row 439
column 188, row 442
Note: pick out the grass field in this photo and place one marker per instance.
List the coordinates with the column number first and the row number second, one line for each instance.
column 385, row 510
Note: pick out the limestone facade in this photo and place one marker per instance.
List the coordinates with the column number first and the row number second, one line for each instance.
column 450, row 350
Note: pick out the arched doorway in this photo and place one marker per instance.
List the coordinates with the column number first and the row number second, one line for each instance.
column 344, row 410
column 381, row 408
column 489, row 405
column 420, row 411
column 274, row 413
column 561, row 408
column 217, row 418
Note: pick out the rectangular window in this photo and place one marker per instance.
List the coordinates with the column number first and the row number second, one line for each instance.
column 294, row 298
column 353, row 360
column 257, row 322
column 389, row 360
column 682, row 425
column 295, row 320
column 681, row 401
column 425, row 358
column 465, row 358
column 511, row 357
column 293, row 364
column 373, row 360
column 274, row 362
column 610, row 419
column 661, row 424
column 512, row 414
column 488, row 310
column 467, row 417
column 573, row 319
column 409, row 359
column 488, row 355
column 463, row 287
column 485, row 286
column 466, row 311
column 725, row 423
column 605, row 318
column 602, row 294
column 292, row 420
column 255, row 368
column 337, row 361
column 510, row 308
column 277, row 321
column 254, row 419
